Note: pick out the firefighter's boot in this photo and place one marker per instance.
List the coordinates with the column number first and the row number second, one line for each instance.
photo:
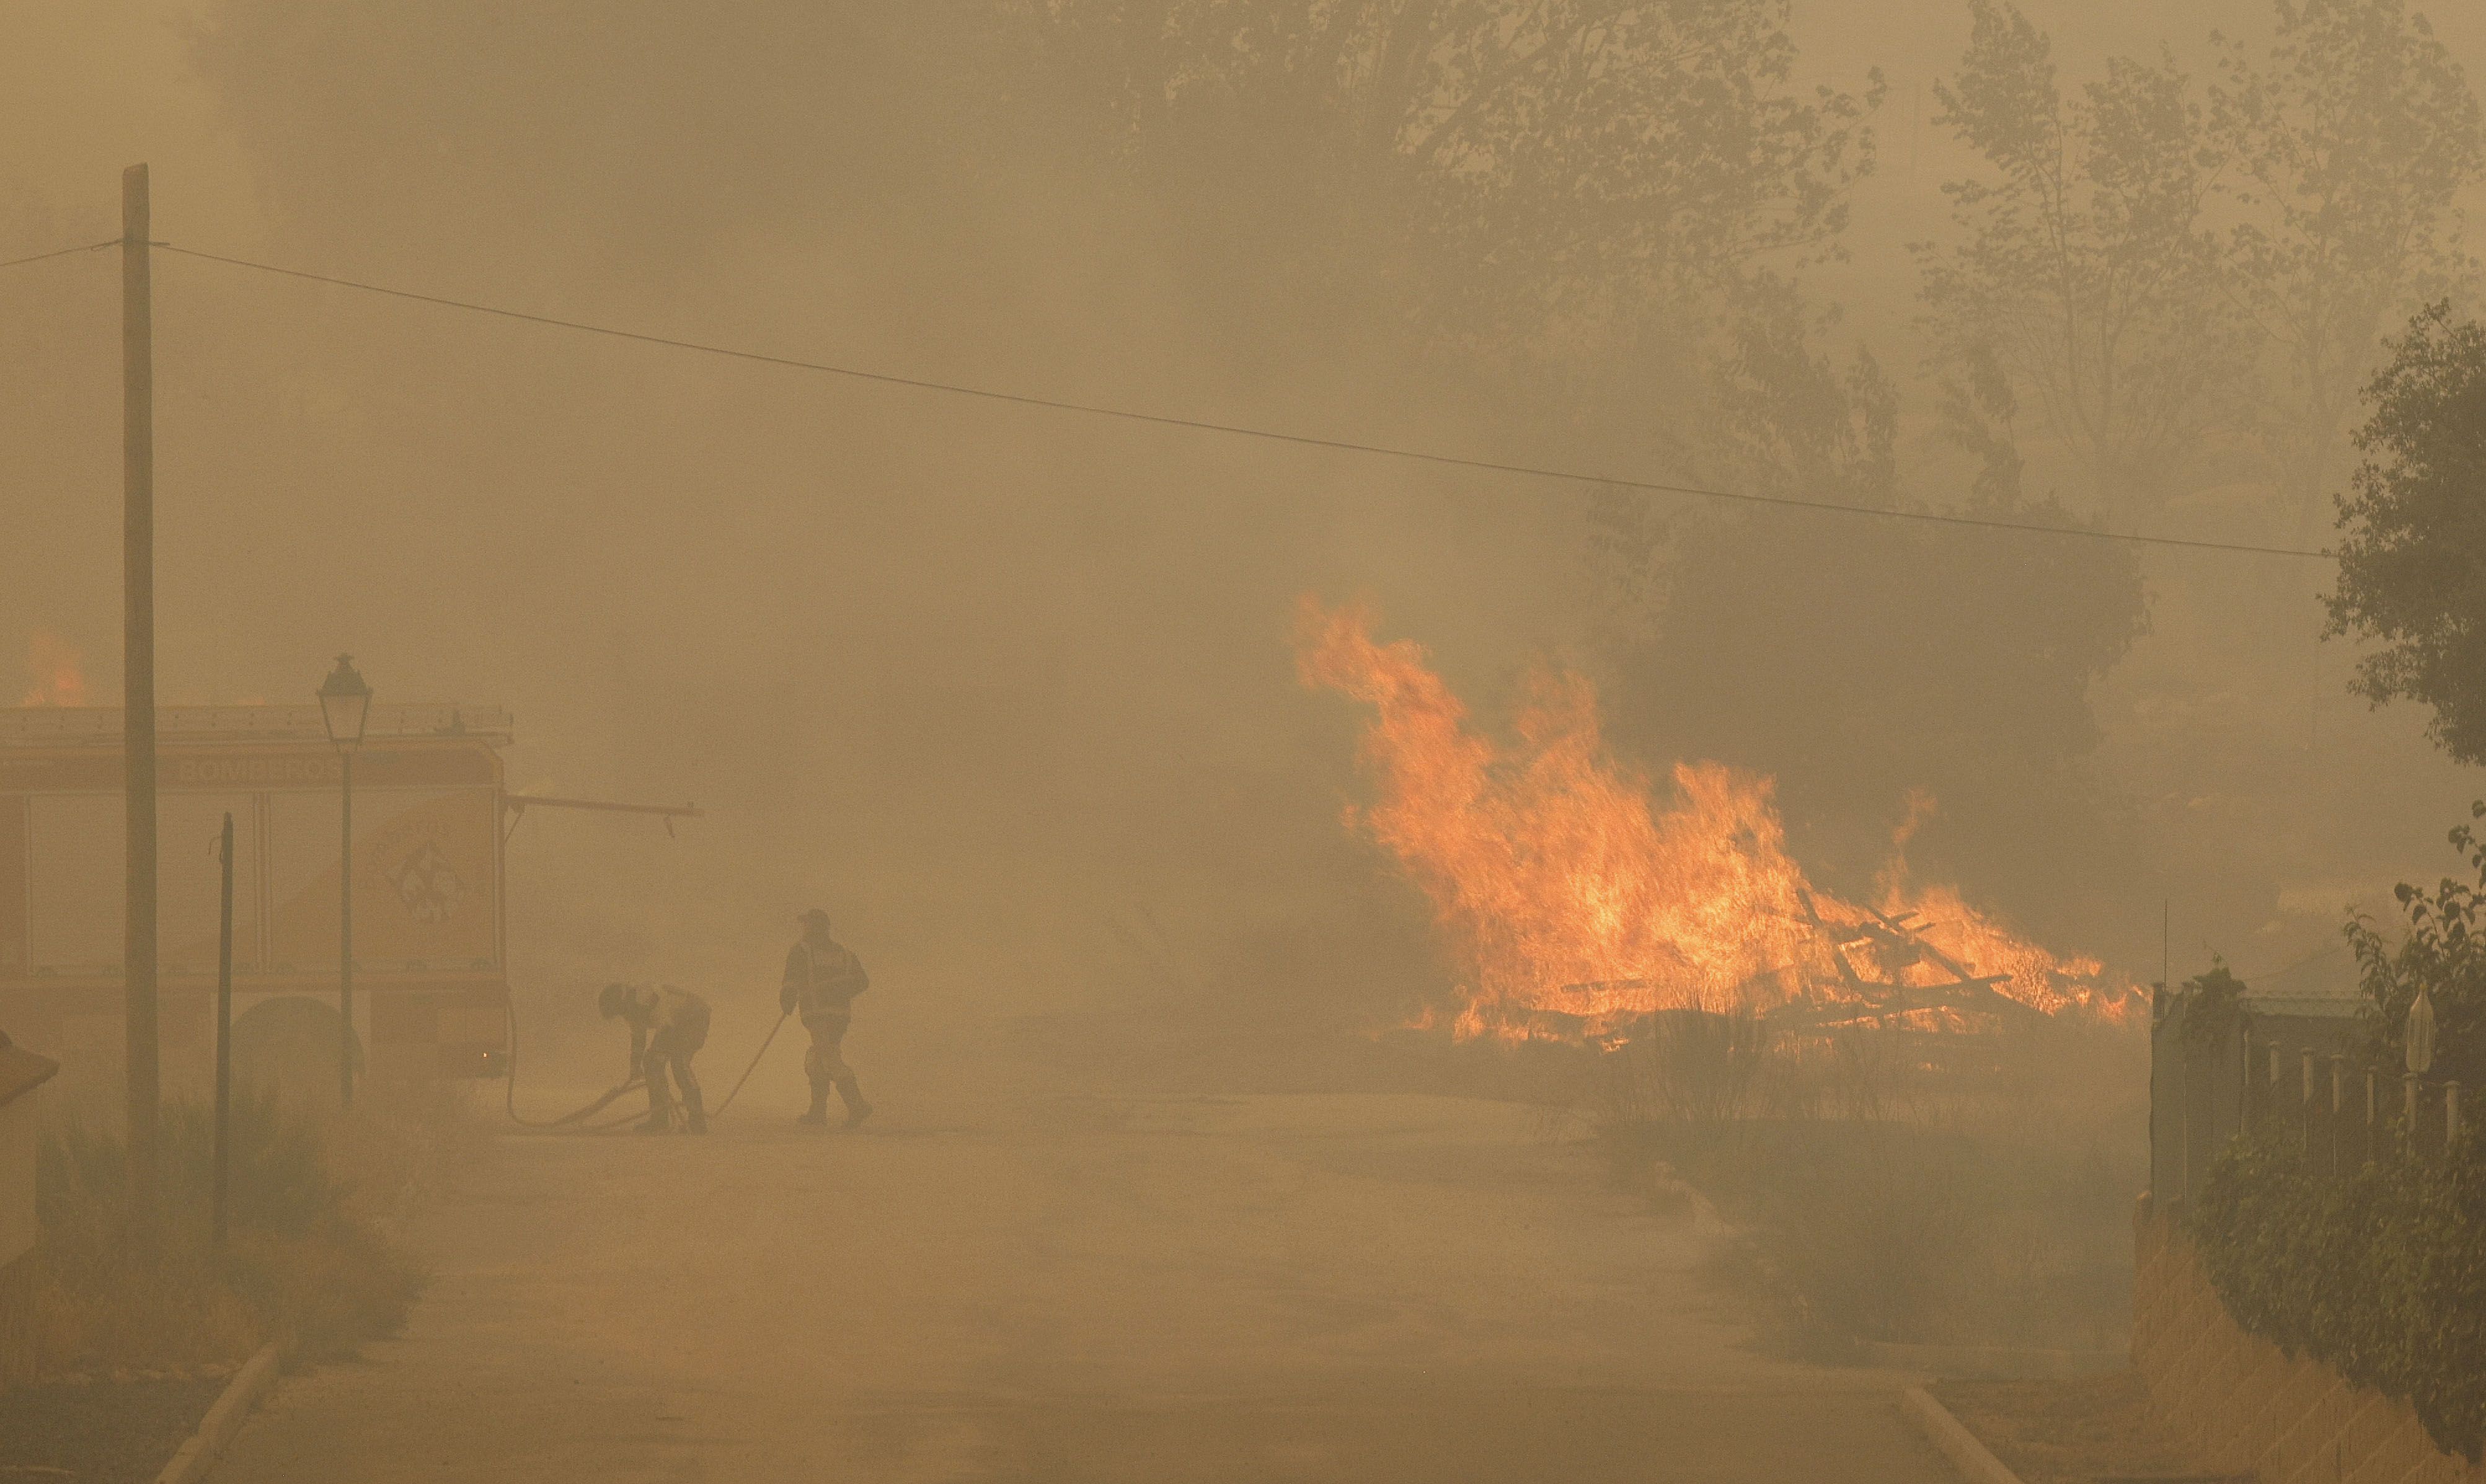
column 661, row 1121
column 851, row 1094
column 819, row 1116
column 694, row 1112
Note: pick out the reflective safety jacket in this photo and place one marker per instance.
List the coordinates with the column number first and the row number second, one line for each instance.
column 822, row 981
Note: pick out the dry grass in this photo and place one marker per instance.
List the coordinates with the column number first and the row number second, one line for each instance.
column 310, row 1262
column 2074, row 1431
column 1894, row 1186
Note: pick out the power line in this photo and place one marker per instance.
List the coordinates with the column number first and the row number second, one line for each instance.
column 61, row 252
column 2316, row 956
column 1302, row 440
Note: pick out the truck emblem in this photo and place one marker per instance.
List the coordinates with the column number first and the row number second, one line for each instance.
column 428, row 886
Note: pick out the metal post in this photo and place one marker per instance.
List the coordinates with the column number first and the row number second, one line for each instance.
column 138, row 691
column 345, row 941
column 2416, row 1044
column 224, row 1033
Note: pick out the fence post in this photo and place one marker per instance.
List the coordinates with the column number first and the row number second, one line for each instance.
column 2338, row 1108
column 2408, row 1088
column 2304, row 1102
column 2245, row 1080
column 2372, row 1110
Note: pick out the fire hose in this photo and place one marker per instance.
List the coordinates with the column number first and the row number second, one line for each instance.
column 574, row 1121
column 782, row 1018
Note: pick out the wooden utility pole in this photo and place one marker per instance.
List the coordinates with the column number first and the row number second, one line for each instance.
column 224, row 1035
column 138, row 684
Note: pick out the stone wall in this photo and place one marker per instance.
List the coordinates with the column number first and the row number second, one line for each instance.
column 2241, row 1406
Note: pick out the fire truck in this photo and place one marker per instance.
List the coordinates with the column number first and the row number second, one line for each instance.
column 429, row 907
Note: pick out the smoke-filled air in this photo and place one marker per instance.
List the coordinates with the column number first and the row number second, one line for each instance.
column 1242, row 739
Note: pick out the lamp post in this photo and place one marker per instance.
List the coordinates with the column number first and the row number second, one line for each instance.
column 344, row 707
column 2416, row 1037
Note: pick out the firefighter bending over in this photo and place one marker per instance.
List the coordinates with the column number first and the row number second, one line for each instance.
column 822, row 978
column 668, row 1026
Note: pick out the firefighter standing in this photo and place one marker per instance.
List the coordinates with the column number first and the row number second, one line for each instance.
column 822, row 978
column 668, row 1026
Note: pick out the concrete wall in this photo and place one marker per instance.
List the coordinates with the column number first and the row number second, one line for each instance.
column 2240, row 1405
column 18, row 1177
column 2196, row 1098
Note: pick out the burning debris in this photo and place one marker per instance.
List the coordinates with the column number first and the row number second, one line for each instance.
column 1576, row 901
column 57, row 671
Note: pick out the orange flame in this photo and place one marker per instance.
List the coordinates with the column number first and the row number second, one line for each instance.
column 1574, row 902
column 53, row 663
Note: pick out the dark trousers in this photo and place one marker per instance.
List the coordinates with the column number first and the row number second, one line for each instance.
column 670, row 1051
column 825, row 1064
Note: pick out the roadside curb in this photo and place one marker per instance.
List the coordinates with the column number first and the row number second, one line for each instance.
column 1952, row 1440
column 1991, row 1362
column 196, row 1456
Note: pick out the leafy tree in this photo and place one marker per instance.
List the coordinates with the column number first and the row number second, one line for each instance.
column 1785, row 419
column 2085, row 280
column 2442, row 952
column 2349, row 147
column 1547, row 172
column 1860, row 661
column 2412, row 533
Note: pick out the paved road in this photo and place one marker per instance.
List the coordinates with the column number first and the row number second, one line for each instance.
column 1301, row 1288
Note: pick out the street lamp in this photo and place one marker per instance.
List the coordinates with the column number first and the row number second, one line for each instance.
column 344, row 707
column 2417, row 1039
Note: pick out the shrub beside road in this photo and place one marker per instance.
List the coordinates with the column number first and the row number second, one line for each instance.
column 125, row 1340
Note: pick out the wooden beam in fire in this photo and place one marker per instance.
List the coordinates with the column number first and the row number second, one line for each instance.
column 1855, row 982
column 1977, row 988
column 1966, row 991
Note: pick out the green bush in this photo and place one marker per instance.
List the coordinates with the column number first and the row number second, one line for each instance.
column 2380, row 1274
column 2212, row 1007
